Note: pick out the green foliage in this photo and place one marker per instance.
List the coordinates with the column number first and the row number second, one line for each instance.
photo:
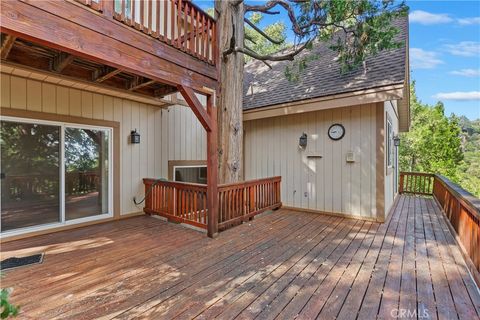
column 258, row 43
column 6, row 308
column 469, row 168
column 357, row 28
column 436, row 144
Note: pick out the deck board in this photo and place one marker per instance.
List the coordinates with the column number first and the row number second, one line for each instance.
column 284, row 264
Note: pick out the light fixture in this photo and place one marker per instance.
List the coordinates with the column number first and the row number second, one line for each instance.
column 134, row 137
column 396, row 141
column 303, row 141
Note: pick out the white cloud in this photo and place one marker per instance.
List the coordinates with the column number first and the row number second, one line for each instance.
column 422, row 59
column 469, row 21
column 467, row 72
column 458, row 96
column 427, row 18
column 464, row 48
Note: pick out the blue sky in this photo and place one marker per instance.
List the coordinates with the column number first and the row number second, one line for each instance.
column 444, row 52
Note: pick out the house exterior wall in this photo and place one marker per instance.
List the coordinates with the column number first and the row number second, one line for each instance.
column 391, row 111
column 328, row 184
column 166, row 134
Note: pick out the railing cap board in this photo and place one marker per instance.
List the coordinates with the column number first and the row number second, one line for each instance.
column 417, row 174
column 250, row 182
column 182, row 185
column 466, row 198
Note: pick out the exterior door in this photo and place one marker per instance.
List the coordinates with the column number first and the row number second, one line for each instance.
column 30, row 174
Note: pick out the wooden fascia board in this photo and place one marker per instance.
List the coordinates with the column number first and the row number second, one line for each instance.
column 31, row 23
column 197, row 108
column 380, row 94
column 110, row 27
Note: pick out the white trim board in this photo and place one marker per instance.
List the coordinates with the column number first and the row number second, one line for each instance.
column 381, row 94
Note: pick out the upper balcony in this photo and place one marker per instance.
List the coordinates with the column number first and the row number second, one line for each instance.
column 178, row 23
column 143, row 46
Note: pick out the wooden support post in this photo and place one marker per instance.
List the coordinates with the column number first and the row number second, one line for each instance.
column 208, row 119
column 212, row 170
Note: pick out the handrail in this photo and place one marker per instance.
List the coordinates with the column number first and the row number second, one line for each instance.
column 459, row 206
column 416, row 183
column 187, row 202
column 178, row 201
column 240, row 201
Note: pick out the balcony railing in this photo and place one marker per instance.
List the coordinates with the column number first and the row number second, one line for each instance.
column 461, row 209
column 178, row 23
column 187, row 202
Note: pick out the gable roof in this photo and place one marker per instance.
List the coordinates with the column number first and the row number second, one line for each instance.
column 264, row 87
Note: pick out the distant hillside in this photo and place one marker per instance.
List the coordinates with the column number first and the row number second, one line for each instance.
column 469, row 168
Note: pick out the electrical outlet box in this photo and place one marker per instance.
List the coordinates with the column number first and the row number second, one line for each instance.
column 350, row 157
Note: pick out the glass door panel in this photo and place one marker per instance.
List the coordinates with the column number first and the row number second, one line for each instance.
column 30, row 174
column 86, row 172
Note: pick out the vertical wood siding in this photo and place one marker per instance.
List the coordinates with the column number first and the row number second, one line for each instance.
column 328, row 184
column 166, row 134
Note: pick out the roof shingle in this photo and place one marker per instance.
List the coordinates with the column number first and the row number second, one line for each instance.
column 322, row 77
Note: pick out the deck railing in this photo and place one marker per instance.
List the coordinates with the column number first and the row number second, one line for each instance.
column 187, row 202
column 460, row 207
column 416, row 183
column 179, row 202
column 179, row 23
column 238, row 202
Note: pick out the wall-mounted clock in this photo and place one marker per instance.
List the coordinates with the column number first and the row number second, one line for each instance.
column 336, row 131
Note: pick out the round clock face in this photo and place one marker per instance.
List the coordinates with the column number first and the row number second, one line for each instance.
column 336, row 131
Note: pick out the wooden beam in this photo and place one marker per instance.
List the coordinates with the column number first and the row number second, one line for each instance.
column 111, row 28
column 7, row 46
column 197, row 108
column 141, row 85
column 107, row 75
column 62, row 61
column 41, row 26
column 164, row 91
column 212, row 170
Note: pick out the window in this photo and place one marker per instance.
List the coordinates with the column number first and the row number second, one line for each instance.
column 389, row 143
column 193, row 171
column 193, row 174
column 53, row 173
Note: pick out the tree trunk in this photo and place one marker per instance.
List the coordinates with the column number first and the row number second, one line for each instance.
column 230, row 98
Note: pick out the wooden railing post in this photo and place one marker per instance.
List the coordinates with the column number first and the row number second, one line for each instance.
column 400, row 187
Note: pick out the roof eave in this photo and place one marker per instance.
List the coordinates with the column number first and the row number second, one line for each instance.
column 373, row 95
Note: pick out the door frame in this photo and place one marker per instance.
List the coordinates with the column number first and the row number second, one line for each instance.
column 111, row 173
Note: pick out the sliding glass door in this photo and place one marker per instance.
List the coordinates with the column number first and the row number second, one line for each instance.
column 86, row 172
column 53, row 173
column 30, row 176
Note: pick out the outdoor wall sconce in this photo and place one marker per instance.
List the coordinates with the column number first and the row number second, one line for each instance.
column 303, row 141
column 134, row 137
column 396, row 141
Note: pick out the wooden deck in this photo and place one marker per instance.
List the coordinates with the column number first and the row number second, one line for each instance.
column 281, row 265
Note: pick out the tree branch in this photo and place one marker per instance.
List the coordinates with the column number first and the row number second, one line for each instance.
column 297, row 29
column 250, row 50
column 263, row 34
column 285, row 57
